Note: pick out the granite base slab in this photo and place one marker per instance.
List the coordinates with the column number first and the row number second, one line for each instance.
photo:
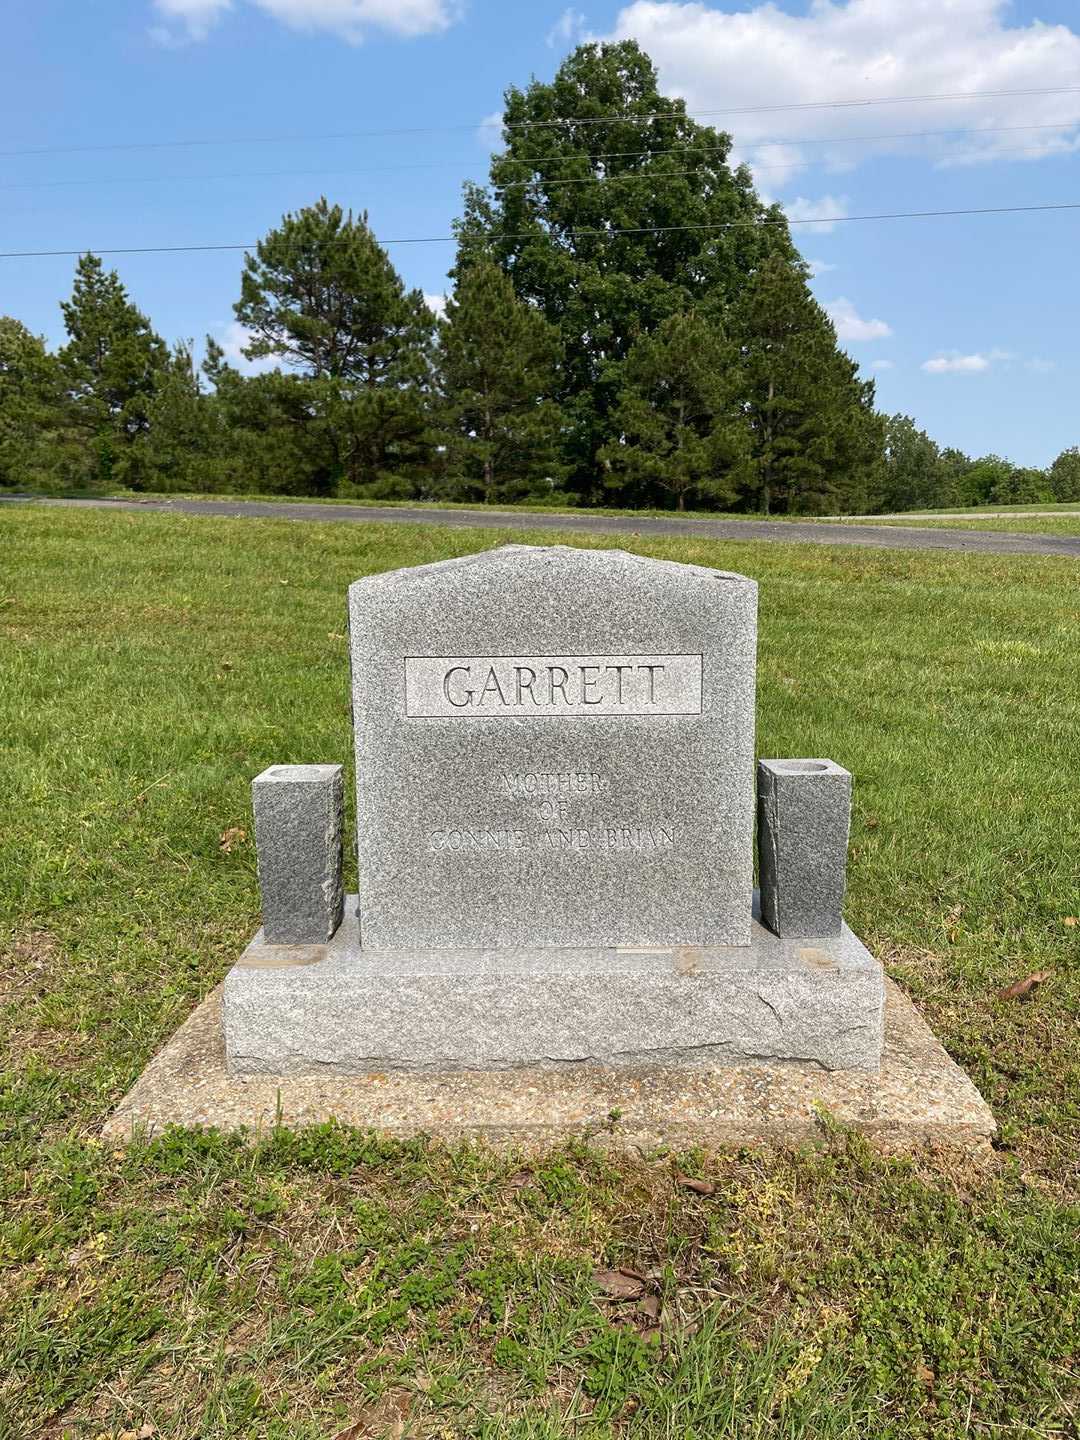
column 920, row 1098
column 337, row 1009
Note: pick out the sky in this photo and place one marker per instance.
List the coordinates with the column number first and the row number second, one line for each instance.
column 140, row 123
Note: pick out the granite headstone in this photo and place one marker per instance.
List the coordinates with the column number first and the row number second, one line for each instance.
column 554, row 747
column 555, row 801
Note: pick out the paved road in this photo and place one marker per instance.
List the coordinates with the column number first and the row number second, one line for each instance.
column 890, row 537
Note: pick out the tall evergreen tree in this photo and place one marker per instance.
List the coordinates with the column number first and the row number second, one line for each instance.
column 112, row 363
column 321, row 294
column 280, row 440
column 678, row 423
column 186, row 444
column 36, row 438
column 499, row 360
column 611, row 210
column 815, row 440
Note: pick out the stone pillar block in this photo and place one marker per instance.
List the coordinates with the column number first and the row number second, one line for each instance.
column 804, row 814
column 298, row 820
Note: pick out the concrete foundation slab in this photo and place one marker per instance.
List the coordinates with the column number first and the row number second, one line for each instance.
column 919, row 1098
column 357, row 1010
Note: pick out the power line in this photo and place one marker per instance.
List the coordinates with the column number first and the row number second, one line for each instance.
column 906, row 134
column 806, row 105
column 538, row 164
column 803, row 105
column 620, row 175
column 569, row 234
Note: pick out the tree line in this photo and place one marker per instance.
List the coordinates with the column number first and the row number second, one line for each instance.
column 629, row 325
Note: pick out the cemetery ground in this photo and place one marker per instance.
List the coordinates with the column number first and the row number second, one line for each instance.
column 1021, row 531
column 297, row 1285
column 1064, row 522
column 1059, row 517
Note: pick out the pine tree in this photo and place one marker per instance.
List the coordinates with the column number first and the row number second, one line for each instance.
column 499, row 367
column 186, row 443
column 322, row 294
column 279, row 439
column 112, row 362
column 676, row 417
column 815, row 440
column 611, row 210
column 36, row 441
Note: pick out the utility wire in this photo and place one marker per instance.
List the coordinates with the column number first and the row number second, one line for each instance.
column 724, row 155
column 536, row 181
column 569, row 234
column 804, row 105
column 619, row 175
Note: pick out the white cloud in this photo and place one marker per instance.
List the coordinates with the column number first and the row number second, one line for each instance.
column 1038, row 366
column 849, row 323
column 490, row 132
column 195, row 18
column 956, row 364
column 436, row 304
column 724, row 60
column 569, row 30
column 233, row 337
column 816, row 215
column 776, row 162
column 882, row 364
column 351, row 18
column 348, row 19
column 820, row 267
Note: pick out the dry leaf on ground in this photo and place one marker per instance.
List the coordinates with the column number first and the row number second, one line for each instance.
column 620, row 1284
column 231, row 838
column 699, row 1187
column 1023, row 989
column 385, row 1417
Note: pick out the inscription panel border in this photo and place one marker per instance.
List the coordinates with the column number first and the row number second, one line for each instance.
column 567, row 714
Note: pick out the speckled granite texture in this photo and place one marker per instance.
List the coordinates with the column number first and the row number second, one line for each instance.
column 804, row 815
column 554, row 747
column 919, row 1098
column 357, row 1010
column 298, row 821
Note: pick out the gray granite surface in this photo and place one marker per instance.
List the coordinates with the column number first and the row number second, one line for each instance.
column 554, row 747
column 920, row 1101
column 804, row 815
column 298, row 819
column 357, row 1010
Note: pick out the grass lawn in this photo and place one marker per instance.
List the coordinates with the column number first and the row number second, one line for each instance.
column 1046, row 507
column 202, row 1287
column 1045, row 523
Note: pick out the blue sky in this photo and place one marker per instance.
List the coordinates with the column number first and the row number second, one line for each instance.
column 969, row 324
